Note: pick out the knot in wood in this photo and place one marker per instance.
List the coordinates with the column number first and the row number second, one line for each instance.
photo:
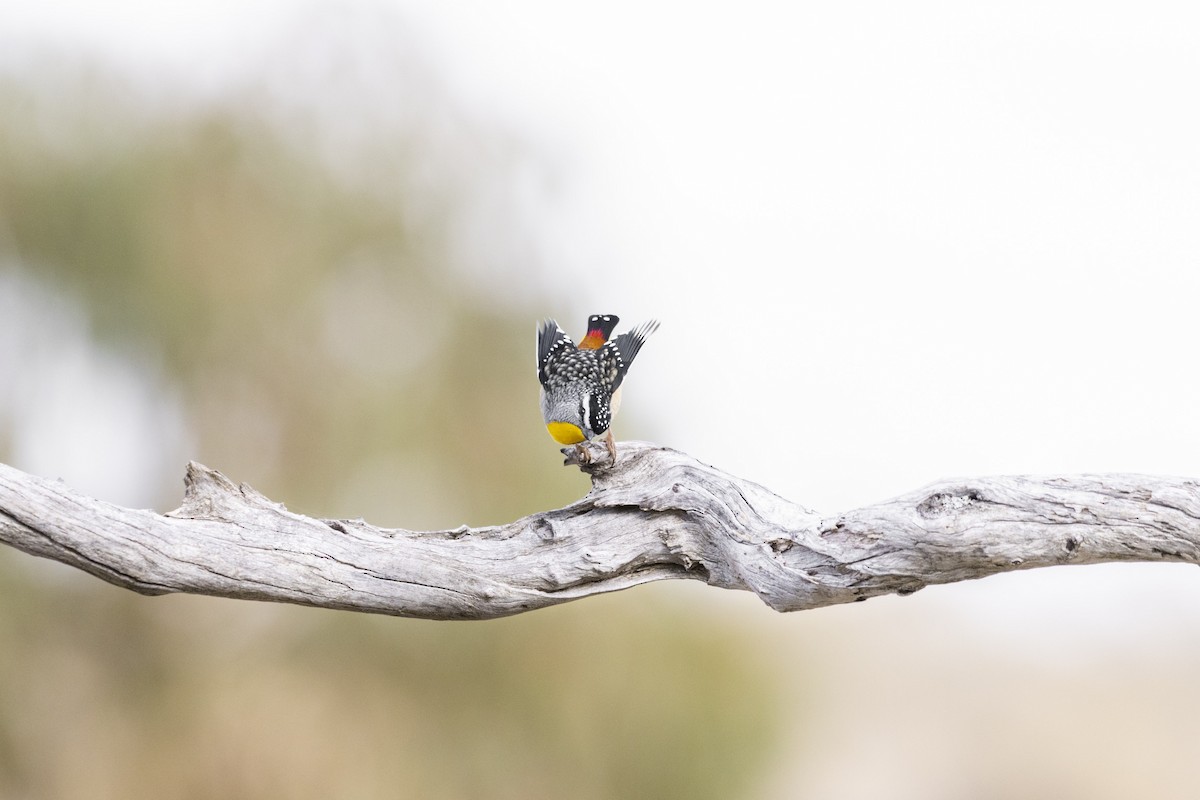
column 942, row 503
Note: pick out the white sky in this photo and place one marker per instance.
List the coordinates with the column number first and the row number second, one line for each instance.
column 889, row 243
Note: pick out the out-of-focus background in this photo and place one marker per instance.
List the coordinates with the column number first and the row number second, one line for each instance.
column 306, row 244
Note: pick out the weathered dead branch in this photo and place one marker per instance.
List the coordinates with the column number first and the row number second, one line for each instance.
column 656, row 514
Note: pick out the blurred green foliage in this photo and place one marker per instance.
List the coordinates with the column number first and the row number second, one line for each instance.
column 331, row 350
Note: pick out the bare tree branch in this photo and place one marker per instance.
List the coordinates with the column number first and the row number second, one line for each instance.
column 656, row 514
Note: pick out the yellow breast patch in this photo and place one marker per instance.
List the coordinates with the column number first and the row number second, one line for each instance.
column 565, row 432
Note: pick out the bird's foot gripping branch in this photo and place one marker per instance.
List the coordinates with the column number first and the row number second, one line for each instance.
column 589, row 458
column 653, row 514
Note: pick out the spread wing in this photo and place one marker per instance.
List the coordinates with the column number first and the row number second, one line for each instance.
column 618, row 354
column 552, row 341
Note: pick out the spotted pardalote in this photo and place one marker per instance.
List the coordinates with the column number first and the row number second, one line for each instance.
column 581, row 384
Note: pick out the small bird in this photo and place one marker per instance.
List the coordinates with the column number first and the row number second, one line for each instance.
column 581, row 384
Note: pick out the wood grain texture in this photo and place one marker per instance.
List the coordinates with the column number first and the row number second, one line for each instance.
column 656, row 514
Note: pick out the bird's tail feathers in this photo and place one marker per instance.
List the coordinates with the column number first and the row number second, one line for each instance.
column 599, row 328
